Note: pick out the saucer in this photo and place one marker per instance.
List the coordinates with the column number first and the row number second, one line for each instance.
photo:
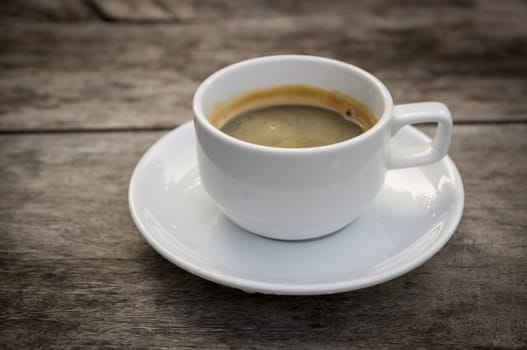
column 410, row 220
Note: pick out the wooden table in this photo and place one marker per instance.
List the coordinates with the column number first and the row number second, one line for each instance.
column 87, row 86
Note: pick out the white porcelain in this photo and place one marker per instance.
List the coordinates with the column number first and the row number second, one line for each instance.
column 303, row 193
column 414, row 215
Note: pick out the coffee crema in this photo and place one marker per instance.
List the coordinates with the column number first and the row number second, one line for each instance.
column 293, row 116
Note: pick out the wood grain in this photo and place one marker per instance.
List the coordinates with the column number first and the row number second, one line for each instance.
column 76, row 274
column 124, row 73
column 49, row 10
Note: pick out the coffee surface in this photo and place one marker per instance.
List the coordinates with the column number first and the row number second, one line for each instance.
column 293, row 116
column 291, row 126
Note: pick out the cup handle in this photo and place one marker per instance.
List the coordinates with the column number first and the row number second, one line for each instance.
column 423, row 112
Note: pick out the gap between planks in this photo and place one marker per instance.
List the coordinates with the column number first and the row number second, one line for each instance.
column 171, row 127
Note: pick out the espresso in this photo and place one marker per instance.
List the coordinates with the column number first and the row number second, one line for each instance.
column 293, row 116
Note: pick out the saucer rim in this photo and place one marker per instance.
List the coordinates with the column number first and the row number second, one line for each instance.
column 255, row 285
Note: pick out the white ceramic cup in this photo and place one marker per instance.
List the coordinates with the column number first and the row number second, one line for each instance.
column 302, row 193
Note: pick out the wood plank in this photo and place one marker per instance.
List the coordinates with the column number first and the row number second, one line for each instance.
column 93, row 75
column 76, row 274
column 151, row 11
column 155, row 11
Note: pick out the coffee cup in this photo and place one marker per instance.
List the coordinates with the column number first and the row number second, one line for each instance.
column 304, row 193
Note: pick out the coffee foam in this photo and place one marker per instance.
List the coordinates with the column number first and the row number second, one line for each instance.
column 290, row 94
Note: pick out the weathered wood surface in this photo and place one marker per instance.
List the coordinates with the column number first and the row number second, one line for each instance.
column 120, row 64
column 76, row 273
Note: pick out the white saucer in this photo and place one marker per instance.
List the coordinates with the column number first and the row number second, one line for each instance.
column 412, row 218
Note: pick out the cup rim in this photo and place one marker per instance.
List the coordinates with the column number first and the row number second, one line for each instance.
column 201, row 118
